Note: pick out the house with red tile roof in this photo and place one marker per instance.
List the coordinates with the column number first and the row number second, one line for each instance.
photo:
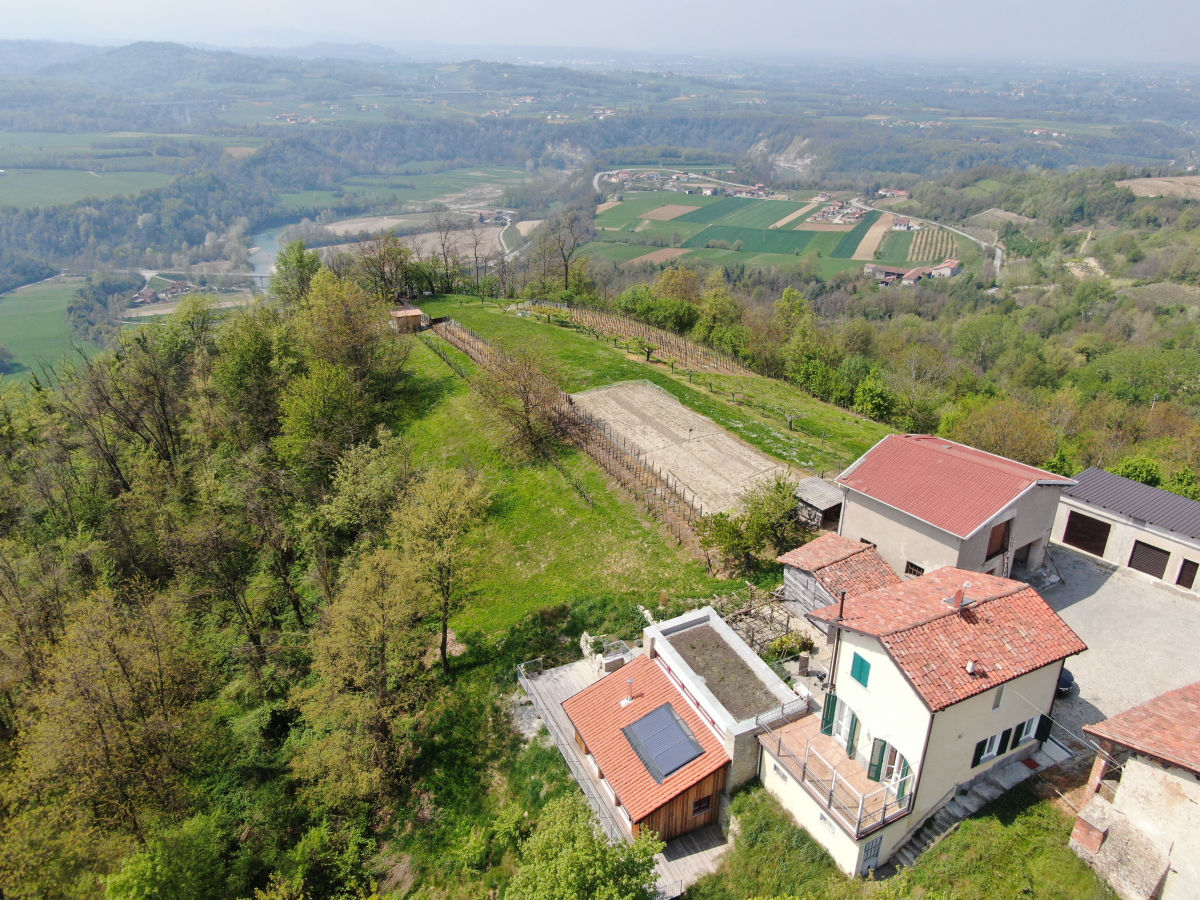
column 1140, row 827
column 926, row 502
column 670, row 732
column 818, row 573
column 934, row 683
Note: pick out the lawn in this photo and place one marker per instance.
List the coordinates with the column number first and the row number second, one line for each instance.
column 33, row 324
column 826, row 438
column 556, row 548
column 27, row 188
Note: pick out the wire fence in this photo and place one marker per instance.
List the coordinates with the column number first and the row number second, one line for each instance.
column 659, row 492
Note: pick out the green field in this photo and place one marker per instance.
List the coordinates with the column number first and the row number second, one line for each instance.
column 47, row 187
column 403, row 189
column 625, row 214
column 755, row 240
column 895, row 247
column 33, row 324
column 826, row 438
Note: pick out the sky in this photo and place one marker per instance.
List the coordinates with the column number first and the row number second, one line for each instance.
column 1096, row 31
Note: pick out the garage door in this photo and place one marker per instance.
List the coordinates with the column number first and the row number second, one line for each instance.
column 1086, row 533
column 1149, row 559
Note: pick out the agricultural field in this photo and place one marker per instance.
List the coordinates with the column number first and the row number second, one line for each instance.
column 895, row 247
column 33, row 324
column 823, row 438
column 932, row 245
column 1165, row 294
column 1185, row 186
column 454, row 187
column 27, row 188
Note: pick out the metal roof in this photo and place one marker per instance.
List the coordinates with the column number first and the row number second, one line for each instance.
column 818, row 493
column 662, row 741
column 1152, row 505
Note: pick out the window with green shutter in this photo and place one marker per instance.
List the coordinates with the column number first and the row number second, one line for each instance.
column 878, row 749
column 860, row 670
column 827, row 714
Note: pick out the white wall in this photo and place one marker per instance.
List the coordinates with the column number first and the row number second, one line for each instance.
column 899, row 537
column 1164, row 802
column 957, row 729
column 1123, row 533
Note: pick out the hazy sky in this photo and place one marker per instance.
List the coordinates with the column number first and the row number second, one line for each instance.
column 1074, row 30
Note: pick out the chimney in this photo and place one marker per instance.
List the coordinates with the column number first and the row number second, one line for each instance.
column 629, row 697
column 970, row 667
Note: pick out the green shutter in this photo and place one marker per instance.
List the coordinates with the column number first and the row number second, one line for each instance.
column 878, row 750
column 902, row 788
column 827, row 714
column 851, row 736
column 860, row 670
column 979, row 748
column 1043, row 728
column 1004, row 736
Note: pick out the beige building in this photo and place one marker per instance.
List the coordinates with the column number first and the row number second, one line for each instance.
column 1140, row 828
column 1131, row 524
column 927, row 502
column 934, row 682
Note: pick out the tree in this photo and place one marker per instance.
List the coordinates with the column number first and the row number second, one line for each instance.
column 565, row 234
column 322, row 413
column 295, row 267
column 678, row 283
column 384, row 267
column 516, row 390
column 769, row 517
column 873, row 398
column 345, row 326
column 1004, row 427
column 432, row 528
column 568, row 858
column 364, row 710
column 1139, row 468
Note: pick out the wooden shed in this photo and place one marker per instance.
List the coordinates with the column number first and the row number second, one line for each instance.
column 407, row 319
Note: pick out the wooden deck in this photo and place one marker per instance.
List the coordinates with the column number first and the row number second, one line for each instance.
column 687, row 858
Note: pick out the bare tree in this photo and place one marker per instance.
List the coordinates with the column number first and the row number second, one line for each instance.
column 565, row 234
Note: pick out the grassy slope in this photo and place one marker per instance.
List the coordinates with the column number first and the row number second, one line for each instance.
column 826, row 438
column 1015, row 847
column 540, row 524
column 33, row 323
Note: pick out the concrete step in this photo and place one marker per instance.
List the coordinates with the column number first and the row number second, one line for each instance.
column 956, row 809
column 988, row 791
column 1010, row 775
column 906, row 857
column 970, row 802
column 944, row 819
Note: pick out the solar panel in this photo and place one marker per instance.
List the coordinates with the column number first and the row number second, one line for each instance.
column 662, row 741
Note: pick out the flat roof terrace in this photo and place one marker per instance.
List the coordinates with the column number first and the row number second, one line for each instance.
column 735, row 685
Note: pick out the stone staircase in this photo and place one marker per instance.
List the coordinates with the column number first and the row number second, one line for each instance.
column 994, row 784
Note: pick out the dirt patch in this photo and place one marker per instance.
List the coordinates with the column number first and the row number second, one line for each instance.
column 607, row 205
column 997, row 216
column 668, row 212
column 660, row 256
column 723, row 672
column 710, row 464
column 170, row 306
column 1088, row 267
column 794, row 216
column 1187, row 186
column 526, row 228
column 240, row 152
column 825, row 226
column 373, row 224
column 874, row 237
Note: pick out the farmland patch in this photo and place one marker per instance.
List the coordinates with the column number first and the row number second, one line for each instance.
column 668, row 212
column 931, row 244
column 874, row 236
column 792, row 217
column 1186, row 186
column 666, row 254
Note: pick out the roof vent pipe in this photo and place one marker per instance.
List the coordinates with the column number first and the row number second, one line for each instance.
column 970, row 667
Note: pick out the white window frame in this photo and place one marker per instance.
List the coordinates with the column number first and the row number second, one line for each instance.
column 990, row 750
column 1024, row 731
column 842, row 716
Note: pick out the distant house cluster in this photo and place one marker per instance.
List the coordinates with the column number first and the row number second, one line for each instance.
column 893, row 275
column 893, row 192
column 839, row 212
column 903, row 223
column 175, row 289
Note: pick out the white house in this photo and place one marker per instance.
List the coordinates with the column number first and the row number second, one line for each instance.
column 927, row 502
column 1141, row 826
column 1131, row 524
column 947, row 269
column 934, row 681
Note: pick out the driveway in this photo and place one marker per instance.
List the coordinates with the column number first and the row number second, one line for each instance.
column 1143, row 637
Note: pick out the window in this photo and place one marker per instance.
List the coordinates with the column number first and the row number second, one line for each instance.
column 998, row 697
column 1024, row 731
column 860, row 670
column 701, row 806
column 1187, row 574
column 779, row 771
column 998, row 539
column 991, row 747
column 911, row 568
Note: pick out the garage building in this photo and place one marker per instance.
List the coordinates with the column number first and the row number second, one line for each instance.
column 1133, row 525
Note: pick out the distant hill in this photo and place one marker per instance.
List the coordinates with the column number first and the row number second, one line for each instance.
column 27, row 57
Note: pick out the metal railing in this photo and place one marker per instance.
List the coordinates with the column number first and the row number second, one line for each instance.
column 859, row 813
column 527, row 673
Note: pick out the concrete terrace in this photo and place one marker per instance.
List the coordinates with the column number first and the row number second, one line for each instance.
column 685, row 859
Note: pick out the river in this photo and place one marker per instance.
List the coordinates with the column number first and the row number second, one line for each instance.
column 265, row 246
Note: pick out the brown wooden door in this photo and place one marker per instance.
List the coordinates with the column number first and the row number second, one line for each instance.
column 1149, row 559
column 1086, row 533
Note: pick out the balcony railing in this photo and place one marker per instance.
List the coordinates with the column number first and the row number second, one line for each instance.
column 838, row 783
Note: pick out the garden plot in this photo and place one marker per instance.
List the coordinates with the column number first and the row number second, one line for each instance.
column 713, row 465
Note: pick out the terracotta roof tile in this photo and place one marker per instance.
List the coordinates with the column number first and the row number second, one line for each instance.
column 841, row 564
column 1006, row 628
column 951, row 486
column 1166, row 727
column 598, row 716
